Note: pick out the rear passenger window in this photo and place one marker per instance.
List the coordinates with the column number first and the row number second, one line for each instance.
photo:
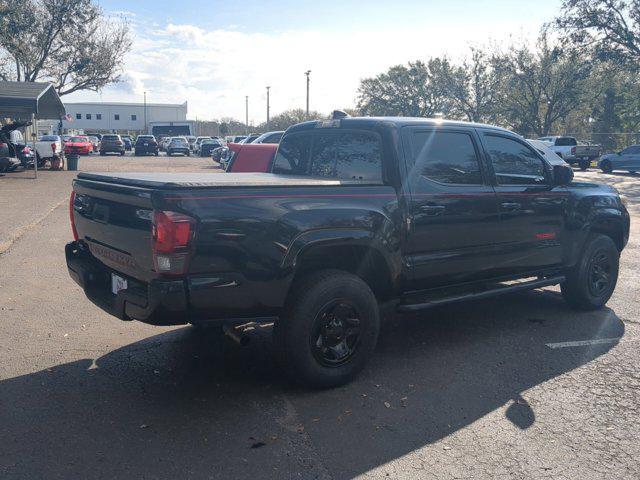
column 345, row 156
column 446, row 157
column 359, row 157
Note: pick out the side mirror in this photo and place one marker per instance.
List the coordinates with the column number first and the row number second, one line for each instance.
column 562, row 175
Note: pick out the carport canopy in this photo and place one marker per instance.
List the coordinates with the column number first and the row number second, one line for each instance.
column 21, row 100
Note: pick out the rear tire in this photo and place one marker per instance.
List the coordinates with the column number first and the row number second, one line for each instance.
column 606, row 166
column 591, row 282
column 584, row 164
column 328, row 330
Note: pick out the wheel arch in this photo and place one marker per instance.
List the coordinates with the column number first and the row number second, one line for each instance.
column 355, row 251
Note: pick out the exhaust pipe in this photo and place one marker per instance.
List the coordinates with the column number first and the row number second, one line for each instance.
column 240, row 338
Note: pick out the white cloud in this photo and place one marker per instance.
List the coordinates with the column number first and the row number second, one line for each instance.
column 214, row 70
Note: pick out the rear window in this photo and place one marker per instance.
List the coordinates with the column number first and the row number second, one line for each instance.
column 566, row 142
column 49, row 138
column 78, row 139
column 110, row 137
column 340, row 155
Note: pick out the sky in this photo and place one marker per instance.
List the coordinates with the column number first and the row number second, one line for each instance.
column 213, row 54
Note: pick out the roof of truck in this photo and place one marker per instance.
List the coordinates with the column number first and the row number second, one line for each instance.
column 372, row 122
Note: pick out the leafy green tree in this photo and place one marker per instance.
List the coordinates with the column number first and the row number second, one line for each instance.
column 70, row 43
column 471, row 87
column 540, row 86
column 410, row 91
column 284, row 120
column 612, row 27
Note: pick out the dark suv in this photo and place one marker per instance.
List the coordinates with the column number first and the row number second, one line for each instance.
column 146, row 144
column 111, row 144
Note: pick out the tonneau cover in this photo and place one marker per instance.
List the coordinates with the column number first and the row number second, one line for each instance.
column 170, row 181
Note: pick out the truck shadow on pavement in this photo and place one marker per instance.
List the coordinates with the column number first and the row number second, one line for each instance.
column 187, row 404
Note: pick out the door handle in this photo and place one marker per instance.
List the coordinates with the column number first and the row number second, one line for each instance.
column 432, row 210
column 511, row 206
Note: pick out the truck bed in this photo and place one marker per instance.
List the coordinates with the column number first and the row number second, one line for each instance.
column 179, row 181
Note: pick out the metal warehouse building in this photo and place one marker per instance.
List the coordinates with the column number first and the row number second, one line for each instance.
column 121, row 117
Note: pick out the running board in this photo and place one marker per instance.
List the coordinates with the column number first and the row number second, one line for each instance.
column 477, row 295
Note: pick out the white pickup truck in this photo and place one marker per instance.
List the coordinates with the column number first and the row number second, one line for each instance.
column 50, row 148
column 571, row 152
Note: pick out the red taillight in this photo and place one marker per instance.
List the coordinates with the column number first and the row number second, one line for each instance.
column 26, row 150
column 73, row 222
column 54, row 147
column 172, row 233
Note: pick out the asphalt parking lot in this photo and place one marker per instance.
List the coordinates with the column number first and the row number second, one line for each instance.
column 518, row 387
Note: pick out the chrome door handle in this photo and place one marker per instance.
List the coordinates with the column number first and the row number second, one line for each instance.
column 432, row 210
column 511, row 206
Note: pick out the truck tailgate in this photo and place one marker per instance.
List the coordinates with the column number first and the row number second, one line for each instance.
column 115, row 222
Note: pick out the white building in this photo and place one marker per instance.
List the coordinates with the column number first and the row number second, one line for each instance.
column 102, row 117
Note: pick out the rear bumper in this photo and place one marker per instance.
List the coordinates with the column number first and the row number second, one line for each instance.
column 147, row 149
column 160, row 302
column 227, row 297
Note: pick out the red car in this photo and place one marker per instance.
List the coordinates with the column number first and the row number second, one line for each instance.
column 251, row 157
column 78, row 145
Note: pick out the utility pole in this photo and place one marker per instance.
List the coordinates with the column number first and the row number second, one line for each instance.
column 145, row 112
column 307, row 73
column 246, row 115
column 268, row 124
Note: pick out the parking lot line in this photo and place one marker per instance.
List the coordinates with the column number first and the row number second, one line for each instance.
column 583, row 343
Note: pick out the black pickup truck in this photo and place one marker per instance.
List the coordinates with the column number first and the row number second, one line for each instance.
column 357, row 213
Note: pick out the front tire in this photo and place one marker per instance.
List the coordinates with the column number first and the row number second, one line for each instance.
column 328, row 330
column 606, row 166
column 591, row 282
column 584, row 164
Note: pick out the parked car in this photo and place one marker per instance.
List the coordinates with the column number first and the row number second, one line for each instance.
column 79, row 145
column 249, row 158
column 249, row 138
column 627, row 159
column 146, row 144
column 178, row 145
column 207, row 146
column 199, row 140
column 571, row 151
column 360, row 212
column 163, row 143
column 192, row 142
column 49, row 149
column 128, row 142
column 95, row 141
column 112, row 144
column 269, row 137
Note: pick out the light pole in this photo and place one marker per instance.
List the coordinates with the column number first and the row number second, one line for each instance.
column 246, row 114
column 145, row 112
column 307, row 73
column 268, row 125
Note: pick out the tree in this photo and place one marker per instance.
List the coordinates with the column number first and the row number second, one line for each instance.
column 404, row 91
column 471, row 88
column 612, row 27
column 70, row 43
column 287, row 118
column 540, row 87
